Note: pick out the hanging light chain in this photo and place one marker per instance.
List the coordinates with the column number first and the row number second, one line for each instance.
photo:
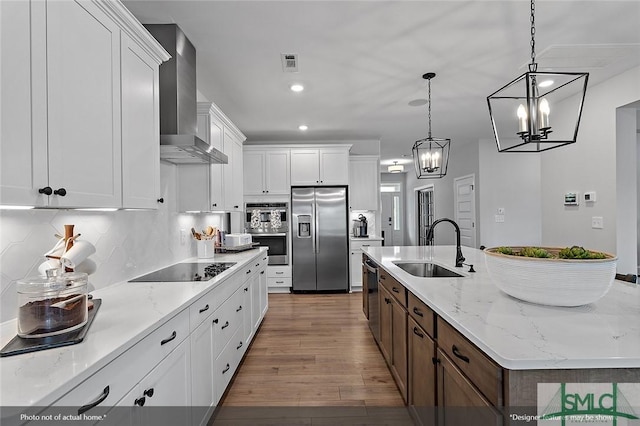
column 533, row 65
column 429, row 84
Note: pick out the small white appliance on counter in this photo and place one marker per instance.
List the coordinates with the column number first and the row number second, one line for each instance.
column 236, row 240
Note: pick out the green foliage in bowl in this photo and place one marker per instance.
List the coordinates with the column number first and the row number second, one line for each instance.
column 574, row 252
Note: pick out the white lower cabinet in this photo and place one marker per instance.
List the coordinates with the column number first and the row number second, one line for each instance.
column 279, row 278
column 355, row 249
column 178, row 373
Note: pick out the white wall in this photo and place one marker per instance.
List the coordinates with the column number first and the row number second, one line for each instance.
column 128, row 243
column 588, row 165
column 626, row 190
column 510, row 181
column 463, row 160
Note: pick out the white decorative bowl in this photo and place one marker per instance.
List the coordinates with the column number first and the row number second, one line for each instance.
column 553, row 282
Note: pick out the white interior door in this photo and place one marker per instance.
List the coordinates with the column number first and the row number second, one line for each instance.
column 465, row 209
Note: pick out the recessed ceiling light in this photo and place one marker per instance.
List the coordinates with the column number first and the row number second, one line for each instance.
column 545, row 83
column 297, row 87
column 303, row 127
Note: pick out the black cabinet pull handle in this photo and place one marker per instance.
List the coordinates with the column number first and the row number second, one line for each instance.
column 140, row 401
column 214, row 205
column 395, row 289
column 148, row 392
column 246, row 289
column 61, row 192
column 257, row 264
column 435, row 360
column 215, row 321
column 226, row 368
column 279, row 273
column 383, row 277
column 46, row 190
column 457, row 353
column 160, row 200
column 226, row 324
column 239, row 346
column 249, row 271
column 170, row 338
column 417, row 312
column 261, row 272
column 101, row 398
column 417, row 333
column 239, row 308
column 387, row 300
column 206, row 308
column 235, row 207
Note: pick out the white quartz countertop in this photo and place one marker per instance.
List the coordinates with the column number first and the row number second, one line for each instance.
column 520, row 335
column 129, row 312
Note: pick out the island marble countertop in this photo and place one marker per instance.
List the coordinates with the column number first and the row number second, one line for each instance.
column 520, row 335
column 128, row 313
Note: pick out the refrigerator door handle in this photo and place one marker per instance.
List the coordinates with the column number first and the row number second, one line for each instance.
column 314, row 238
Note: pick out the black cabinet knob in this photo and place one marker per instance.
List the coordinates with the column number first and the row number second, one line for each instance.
column 61, row 192
column 160, row 200
column 140, row 401
column 148, row 392
column 46, row 190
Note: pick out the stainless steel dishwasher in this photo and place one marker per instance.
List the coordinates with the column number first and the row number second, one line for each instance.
column 372, row 295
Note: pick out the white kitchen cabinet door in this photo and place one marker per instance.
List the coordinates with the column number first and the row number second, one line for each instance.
column 305, row 167
column 82, row 122
column 23, row 160
column 277, row 172
column 264, row 296
column 364, row 183
column 140, row 128
column 334, row 167
column 233, row 173
column 254, row 175
column 169, row 385
column 324, row 166
column 202, row 378
column 211, row 130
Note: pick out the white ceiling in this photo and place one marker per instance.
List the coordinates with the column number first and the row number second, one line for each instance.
column 362, row 61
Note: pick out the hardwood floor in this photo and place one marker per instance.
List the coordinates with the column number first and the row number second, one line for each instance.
column 313, row 361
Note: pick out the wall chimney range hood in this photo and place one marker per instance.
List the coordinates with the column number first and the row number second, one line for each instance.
column 178, row 117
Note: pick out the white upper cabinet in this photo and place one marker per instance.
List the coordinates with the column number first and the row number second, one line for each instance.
column 233, row 173
column 63, row 145
column 215, row 187
column 364, row 182
column 140, row 127
column 322, row 166
column 267, row 171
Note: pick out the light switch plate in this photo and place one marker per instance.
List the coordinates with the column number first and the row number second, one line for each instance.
column 597, row 222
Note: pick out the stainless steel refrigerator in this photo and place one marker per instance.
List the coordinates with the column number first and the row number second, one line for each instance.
column 320, row 239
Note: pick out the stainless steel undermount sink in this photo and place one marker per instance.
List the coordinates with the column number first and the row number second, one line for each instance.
column 427, row 270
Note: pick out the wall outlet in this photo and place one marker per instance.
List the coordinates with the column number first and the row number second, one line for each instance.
column 499, row 218
column 590, row 197
column 597, row 222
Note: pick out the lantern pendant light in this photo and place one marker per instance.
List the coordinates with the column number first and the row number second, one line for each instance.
column 521, row 111
column 431, row 155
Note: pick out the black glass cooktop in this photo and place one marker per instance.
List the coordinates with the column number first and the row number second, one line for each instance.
column 183, row 272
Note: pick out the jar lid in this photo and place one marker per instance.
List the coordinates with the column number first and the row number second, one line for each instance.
column 53, row 282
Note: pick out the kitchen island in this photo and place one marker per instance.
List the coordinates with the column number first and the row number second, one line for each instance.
column 519, row 344
column 133, row 312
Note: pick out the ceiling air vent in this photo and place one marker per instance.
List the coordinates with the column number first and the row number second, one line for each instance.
column 289, row 62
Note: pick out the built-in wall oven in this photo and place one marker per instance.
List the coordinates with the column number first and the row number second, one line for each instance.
column 268, row 224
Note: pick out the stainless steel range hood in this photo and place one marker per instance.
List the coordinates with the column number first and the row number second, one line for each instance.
column 178, row 117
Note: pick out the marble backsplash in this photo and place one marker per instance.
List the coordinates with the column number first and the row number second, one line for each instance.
column 128, row 243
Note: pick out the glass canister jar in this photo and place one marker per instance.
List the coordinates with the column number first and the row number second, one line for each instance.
column 53, row 304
